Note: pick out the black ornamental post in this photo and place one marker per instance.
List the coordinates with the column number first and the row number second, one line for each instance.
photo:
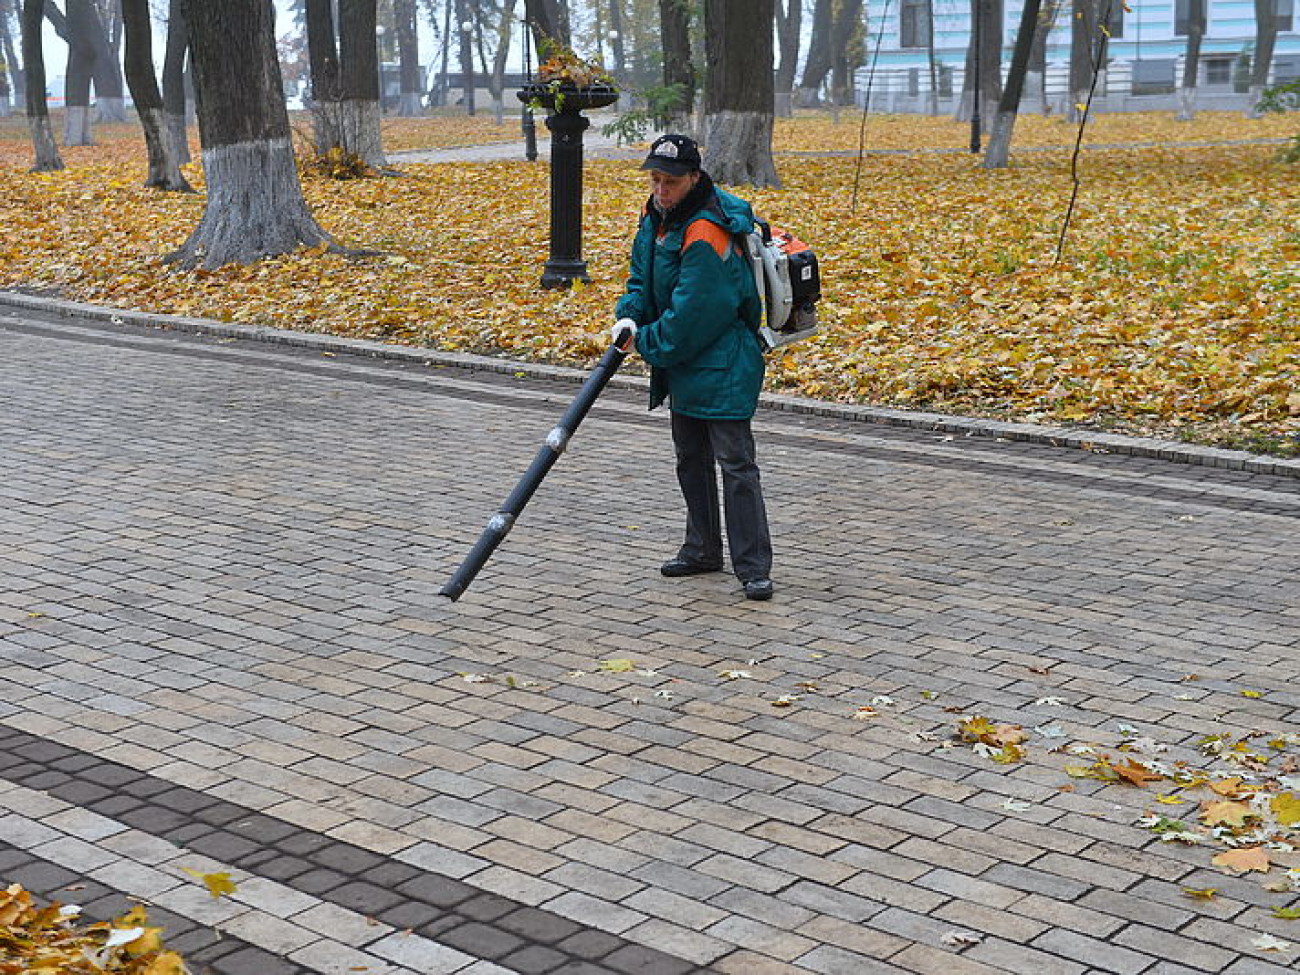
column 526, row 117
column 565, row 104
column 976, row 125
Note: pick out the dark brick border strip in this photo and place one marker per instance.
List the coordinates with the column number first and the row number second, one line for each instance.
column 206, row 952
column 975, row 426
column 451, row 912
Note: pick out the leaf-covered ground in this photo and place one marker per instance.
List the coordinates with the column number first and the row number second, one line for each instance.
column 52, row 939
column 1175, row 309
column 812, row 133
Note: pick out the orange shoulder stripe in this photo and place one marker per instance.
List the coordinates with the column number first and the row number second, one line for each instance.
column 710, row 232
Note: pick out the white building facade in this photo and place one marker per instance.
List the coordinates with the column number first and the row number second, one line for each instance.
column 1144, row 57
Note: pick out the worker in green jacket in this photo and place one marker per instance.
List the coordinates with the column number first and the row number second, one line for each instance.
column 692, row 309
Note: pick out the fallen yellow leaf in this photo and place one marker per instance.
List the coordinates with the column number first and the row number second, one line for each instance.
column 1243, row 860
column 1232, row 787
column 218, row 884
column 1227, row 812
column 1286, row 807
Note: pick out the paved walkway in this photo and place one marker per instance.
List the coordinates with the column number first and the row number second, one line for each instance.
column 595, row 145
column 222, row 651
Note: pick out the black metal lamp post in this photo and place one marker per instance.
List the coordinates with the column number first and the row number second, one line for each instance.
column 526, row 116
column 976, row 124
column 567, row 124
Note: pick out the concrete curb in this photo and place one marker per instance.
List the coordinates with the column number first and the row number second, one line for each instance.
column 1166, row 450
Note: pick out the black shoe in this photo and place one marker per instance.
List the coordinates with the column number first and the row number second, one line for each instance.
column 759, row 589
column 676, row 568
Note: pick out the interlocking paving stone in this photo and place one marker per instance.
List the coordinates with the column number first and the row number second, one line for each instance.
column 202, row 947
column 238, row 551
column 489, row 925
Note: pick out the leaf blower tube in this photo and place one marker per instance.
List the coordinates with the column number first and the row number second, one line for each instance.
column 500, row 524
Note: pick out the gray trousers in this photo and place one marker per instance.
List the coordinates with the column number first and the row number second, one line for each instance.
column 728, row 444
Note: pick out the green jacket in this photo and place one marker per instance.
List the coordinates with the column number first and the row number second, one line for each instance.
column 697, row 311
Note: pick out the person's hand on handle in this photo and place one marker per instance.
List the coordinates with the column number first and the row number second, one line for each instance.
column 622, row 333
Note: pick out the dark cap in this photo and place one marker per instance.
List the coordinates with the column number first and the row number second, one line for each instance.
column 673, row 154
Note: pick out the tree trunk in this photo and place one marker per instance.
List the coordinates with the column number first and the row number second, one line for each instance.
column 1036, row 76
column 738, row 92
column 1265, row 41
column 497, row 76
column 983, row 69
column 57, row 20
column 11, row 59
column 999, row 149
column 326, row 92
column 466, row 57
column 983, row 57
column 441, row 100
column 10, row 54
column 617, row 45
column 6, row 94
column 932, row 58
column 175, row 103
column 789, row 23
column 255, row 206
column 549, row 20
column 818, row 64
column 1191, row 61
column 598, row 31
column 360, row 110
column 38, row 112
column 675, row 25
column 1083, row 25
column 991, row 59
column 91, row 57
column 82, row 57
column 345, row 103
column 409, row 102
column 164, row 170
column 846, row 50
column 110, row 93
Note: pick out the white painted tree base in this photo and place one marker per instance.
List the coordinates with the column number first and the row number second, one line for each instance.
column 110, row 110
column 47, row 152
column 255, row 208
column 738, row 147
column 76, row 126
column 164, row 169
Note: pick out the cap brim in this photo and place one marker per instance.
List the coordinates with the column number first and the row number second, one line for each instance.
column 670, row 166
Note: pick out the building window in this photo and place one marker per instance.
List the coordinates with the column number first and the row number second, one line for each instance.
column 914, row 24
column 1218, row 71
column 1285, row 15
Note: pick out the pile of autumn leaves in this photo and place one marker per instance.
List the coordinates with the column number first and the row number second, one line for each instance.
column 1241, row 799
column 1168, row 306
column 52, row 940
